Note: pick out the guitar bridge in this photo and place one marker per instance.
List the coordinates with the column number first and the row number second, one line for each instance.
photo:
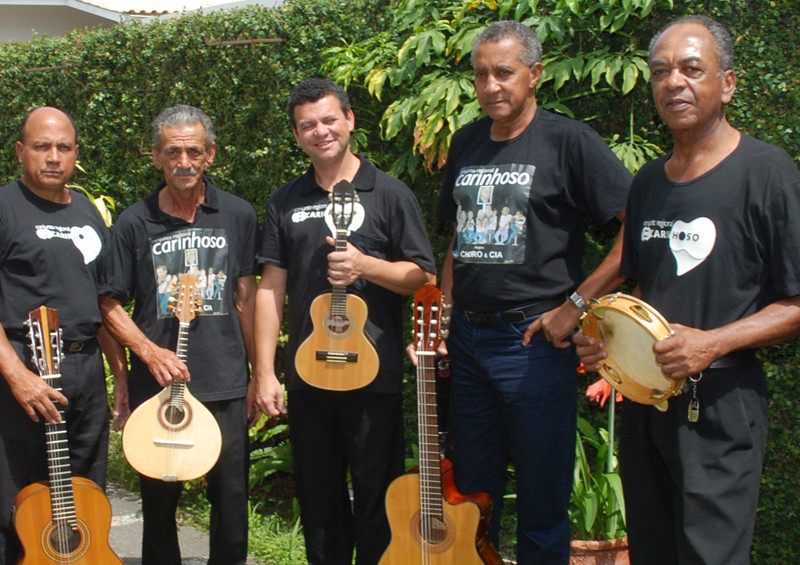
column 337, row 356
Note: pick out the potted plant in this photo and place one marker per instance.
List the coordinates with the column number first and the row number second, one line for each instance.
column 597, row 507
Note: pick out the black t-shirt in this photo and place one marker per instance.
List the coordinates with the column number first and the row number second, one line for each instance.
column 718, row 248
column 520, row 208
column 50, row 255
column 150, row 250
column 392, row 229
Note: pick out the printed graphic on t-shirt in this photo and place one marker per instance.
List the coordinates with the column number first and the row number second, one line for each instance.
column 490, row 218
column 200, row 252
column 691, row 243
column 85, row 238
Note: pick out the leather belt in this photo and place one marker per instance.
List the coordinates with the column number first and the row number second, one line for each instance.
column 513, row 315
column 735, row 359
column 76, row 346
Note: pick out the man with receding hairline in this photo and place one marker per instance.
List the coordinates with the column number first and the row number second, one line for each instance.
column 727, row 278
column 52, row 243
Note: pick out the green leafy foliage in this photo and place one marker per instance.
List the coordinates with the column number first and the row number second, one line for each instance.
column 424, row 63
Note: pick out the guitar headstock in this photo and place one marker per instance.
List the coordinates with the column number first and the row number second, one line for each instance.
column 187, row 300
column 428, row 307
column 343, row 199
column 45, row 340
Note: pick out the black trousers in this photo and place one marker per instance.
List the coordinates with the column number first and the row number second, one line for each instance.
column 23, row 455
column 333, row 432
column 227, row 492
column 691, row 489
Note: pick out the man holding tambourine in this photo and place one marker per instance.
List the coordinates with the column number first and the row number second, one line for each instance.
column 711, row 240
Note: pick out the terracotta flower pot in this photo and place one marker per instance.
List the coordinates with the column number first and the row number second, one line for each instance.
column 606, row 552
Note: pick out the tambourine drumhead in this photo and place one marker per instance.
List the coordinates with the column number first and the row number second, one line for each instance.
column 629, row 327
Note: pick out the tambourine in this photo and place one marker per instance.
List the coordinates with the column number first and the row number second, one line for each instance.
column 628, row 327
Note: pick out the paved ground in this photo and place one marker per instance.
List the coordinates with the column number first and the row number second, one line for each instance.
column 126, row 532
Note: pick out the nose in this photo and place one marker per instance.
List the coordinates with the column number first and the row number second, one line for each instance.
column 52, row 155
column 675, row 78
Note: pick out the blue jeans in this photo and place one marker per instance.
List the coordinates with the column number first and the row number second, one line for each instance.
column 518, row 403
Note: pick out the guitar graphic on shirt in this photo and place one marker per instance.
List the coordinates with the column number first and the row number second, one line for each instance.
column 338, row 355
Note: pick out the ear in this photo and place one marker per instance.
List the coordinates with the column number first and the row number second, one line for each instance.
column 351, row 120
column 19, row 148
column 536, row 74
column 211, row 152
column 728, row 86
column 157, row 158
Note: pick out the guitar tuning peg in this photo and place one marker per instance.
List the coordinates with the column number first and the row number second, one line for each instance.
column 445, row 333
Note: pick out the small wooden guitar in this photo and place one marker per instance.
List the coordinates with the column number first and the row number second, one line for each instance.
column 338, row 355
column 431, row 522
column 172, row 436
column 66, row 519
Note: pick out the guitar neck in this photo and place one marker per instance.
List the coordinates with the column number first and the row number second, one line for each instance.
column 339, row 293
column 178, row 387
column 428, row 429
column 62, row 500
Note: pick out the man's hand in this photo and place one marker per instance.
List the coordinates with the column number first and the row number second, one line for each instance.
column 590, row 351
column 686, row 353
column 122, row 407
column 557, row 325
column 268, row 395
column 36, row 397
column 344, row 267
column 165, row 365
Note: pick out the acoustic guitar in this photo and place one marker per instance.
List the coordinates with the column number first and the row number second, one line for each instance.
column 338, row 355
column 66, row 519
column 172, row 436
column 431, row 522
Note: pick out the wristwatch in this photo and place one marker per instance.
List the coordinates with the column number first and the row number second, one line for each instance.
column 578, row 301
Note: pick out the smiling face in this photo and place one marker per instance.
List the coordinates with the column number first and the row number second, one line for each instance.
column 690, row 90
column 323, row 129
column 183, row 156
column 505, row 86
column 48, row 153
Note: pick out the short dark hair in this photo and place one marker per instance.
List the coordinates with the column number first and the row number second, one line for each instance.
column 21, row 134
column 724, row 49
column 511, row 29
column 313, row 89
column 182, row 115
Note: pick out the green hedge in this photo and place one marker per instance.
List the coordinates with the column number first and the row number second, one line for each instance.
column 115, row 81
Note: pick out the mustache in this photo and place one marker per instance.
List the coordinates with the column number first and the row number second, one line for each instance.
column 179, row 172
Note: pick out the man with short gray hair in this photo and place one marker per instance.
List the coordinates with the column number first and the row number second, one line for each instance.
column 517, row 299
column 188, row 226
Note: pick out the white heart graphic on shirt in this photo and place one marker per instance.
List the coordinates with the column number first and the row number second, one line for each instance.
column 691, row 243
column 88, row 242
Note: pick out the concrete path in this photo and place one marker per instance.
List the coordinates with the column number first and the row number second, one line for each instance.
column 126, row 532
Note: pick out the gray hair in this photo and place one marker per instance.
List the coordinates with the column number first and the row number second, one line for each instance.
column 182, row 115
column 724, row 41
column 510, row 29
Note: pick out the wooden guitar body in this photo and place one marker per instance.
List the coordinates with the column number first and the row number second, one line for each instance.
column 338, row 355
column 66, row 519
column 171, row 444
column 431, row 522
column 45, row 542
column 450, row 541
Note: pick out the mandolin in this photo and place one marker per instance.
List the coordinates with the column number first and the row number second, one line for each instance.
column 66, row 519
column 338, row 355
column 431, row 522
column 172, row 436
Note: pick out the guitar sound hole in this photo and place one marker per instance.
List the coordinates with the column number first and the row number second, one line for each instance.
column 64, row 539
column 174, row 415
column 338, row 324
column 433, row 530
